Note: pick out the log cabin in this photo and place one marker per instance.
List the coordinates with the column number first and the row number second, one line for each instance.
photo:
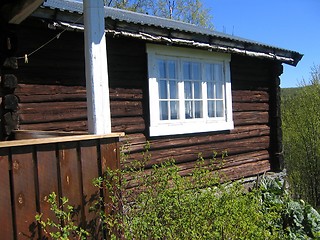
column 182, row 88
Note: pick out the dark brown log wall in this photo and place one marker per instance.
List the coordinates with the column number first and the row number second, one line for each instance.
column 8, row 81
column 52, row 97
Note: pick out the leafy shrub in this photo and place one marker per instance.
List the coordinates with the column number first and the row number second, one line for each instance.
column 64, row 228
column 292, row 219
column 168, row 206
column 301, row 139
column 158, row 203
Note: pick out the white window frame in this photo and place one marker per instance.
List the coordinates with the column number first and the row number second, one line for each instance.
column 186, row 126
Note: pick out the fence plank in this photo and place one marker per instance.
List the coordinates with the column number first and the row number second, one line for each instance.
column 38, row 168
column 48, row 179
column 71, row 177
column 109, row 150
column 109, row 154
column 24, row 192
column 6, row 229
column 90, row 170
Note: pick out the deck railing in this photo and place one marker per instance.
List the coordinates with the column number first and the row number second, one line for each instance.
column 33, row 168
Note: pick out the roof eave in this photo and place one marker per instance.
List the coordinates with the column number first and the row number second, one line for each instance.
column 209, row 41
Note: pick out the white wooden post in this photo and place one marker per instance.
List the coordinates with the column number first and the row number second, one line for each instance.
column 97, row 83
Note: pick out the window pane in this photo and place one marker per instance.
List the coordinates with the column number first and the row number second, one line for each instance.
column 163, row 94
column 188, row 110
column 174, row 109
column 186, row 70
column 208, row 72
column 210, row 90
column 164, row 110
column 173, row 89
column 196, row 71
column 198, row 109
column 219, row 90
column 162, row 68
column 188, row 90
column 197, row 90
column 217, row 72
column 219, row 110
column 172, row 69
column 210, row 108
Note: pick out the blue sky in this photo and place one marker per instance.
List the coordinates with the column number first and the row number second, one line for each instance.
column 289, row 24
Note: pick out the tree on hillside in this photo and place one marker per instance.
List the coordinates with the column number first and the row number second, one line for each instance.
column 301, row 139
column 190, row 11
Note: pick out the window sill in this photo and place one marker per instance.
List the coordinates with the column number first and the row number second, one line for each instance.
column 187, row 128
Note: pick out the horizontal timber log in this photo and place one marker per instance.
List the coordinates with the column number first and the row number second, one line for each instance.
column 53, row 111
column 230, row 166
column 128, row 124
column 248, row 118
column 126, row 94
column 229, row 161
column 31, row 93
column 247, row 84
column 250, row 96
column 249, row 169
column 243, row 107
column 190, row 153
column 126, row 108
column 57, row 126
column 137, row 142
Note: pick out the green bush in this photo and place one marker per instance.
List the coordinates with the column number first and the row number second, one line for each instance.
column 64, row 228
column 158, row 203
column 167, row 206
column 301, row 140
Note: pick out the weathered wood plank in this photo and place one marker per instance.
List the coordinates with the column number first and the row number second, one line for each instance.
column 56, row 126
column 126, row 108
column 52, row 107
column 128, row 124
column 48, row 179
column 6, row 223
column 24, row 192
column 243, row 107
column 250, row 96
column 136, row 142
column 227, row 165
column 126, row 94
column 62, row 114
column 44, row 89
column 190, row 153
column 66, row 111
column 90, row 170
column 31, row 93
column 109, row 151
column 249, row 169
column 70, row 171
column 250, row 118
column 230, row 161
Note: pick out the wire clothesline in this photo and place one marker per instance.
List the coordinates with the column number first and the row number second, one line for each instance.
column 27, row 55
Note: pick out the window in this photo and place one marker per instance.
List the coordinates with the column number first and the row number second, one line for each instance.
column 189, row 90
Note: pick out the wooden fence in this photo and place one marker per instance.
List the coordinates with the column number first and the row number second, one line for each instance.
column 31, row 169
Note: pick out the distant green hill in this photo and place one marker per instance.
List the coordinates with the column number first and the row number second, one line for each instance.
column 289, row 92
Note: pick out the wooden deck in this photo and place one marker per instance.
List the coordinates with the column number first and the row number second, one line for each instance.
column 31, row 169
